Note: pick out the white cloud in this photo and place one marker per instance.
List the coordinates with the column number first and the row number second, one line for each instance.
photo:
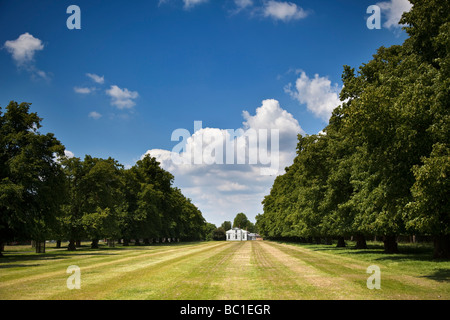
column 319, row 95
column 83, row 90
column 271, row 116
column 284, row 11
column 241, row 4
column 223, row 190
column 23, row 48
column 232, row 186
column 122, row 98
column 393, row 10
column 94, row 115
column 96, row 78
column 69, row 154
column 191, row 3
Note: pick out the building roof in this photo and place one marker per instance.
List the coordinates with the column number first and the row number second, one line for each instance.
column 235, row 229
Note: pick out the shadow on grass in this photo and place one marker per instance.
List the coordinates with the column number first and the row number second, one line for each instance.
column 13, row 260
column 440, row 275
column 7, row 266
column 375, row 251
column 10, row 257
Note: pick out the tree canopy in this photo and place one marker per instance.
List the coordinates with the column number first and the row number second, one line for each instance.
column 381, row 168
column 46, row 195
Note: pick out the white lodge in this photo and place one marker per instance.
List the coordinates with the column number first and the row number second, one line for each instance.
column 237, row 234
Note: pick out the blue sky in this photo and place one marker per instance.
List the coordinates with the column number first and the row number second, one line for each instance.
column 138, row 70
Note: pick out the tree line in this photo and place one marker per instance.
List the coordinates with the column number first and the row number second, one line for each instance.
column 47, row 195
column 381, row 166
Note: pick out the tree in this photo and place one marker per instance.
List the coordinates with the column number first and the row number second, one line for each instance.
column 154, row 209
column 226, row 225
column 241, row 221
column 429, row 212
column 102, row 187
column 30, row 176
column 219, row 234
column 208, row 231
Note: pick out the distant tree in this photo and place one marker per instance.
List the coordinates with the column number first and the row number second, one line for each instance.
column 219, row 234
column 208, row 230
column 155, row 209
column 226, row 225
column 241, row 221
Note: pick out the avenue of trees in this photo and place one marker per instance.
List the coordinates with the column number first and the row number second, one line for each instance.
column 382, row 167
column 46, row 195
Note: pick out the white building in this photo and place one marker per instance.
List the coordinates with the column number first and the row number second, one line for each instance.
column 237, row 234
column 254, row 236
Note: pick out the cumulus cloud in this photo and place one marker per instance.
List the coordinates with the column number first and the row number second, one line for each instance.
column 393, row 11
column 96, row 78
column 23, row 50
column 284, row 11
column 233, row 183
column 319, row 95
column 122, row 98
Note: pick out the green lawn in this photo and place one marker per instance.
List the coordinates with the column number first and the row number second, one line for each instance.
column 223, row 270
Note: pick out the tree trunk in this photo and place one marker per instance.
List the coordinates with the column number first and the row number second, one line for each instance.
column 341, row 243
column 71, row 246
column 40, row 246
column 111, row 243
column 94, row 244
column 58, row 244
column 146, row 241
column 441, row 247
column 2, row 248
column 136, row 242
column 390, row 244
column 126, row 242
column 360, row 242
column 78, row 243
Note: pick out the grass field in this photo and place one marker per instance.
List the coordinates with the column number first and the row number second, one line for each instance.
column 223, row 271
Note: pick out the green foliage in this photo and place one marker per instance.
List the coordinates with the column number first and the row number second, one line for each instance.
column 241, row 221
column 43, row 193
column 30, row 176
column 226, row 225
column 382, row 166
column 219, row 234
column 208, row 231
